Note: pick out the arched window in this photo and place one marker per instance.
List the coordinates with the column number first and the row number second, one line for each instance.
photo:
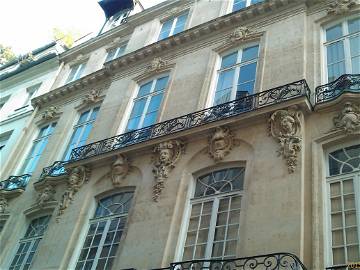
column 213, row 228
column 344, row 205
column 105, row 231
column 29, row 243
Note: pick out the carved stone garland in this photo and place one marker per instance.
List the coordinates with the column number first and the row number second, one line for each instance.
column 49, row 113
column 46, row 195
column 156, row 64
column 119, row 169
column 239, row 33
column 77, row 178
column 92, row 97
column 348, row 120
column 166, row 154
column 285, row 127
column 220, row 143
column 341, row 7
column 3, row 204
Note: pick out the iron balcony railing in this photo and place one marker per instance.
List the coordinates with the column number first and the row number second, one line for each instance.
column 188, row 121
column 274, row 261
column 330, row 91
column 15, row 182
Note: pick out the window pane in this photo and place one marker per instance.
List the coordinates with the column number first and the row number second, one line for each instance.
column 355, row 63
column 155, row 103
column 161, row 83
column 138, row 108
column 180, row 24
column 225, row 80
column 354, row 25
column 79, row 72
column 335, row 52
column 247, row 73
column 145, row 89
column 83, row 117
column 150, row 119
column 335, row 71
column 334, row 32
column 133, row 123
column 250, row 53
column 239, row 4
column 165, row 29
column 229, row 60
column 94, row 113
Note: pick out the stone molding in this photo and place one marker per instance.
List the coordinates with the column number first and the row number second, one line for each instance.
column 341, row 7
column 119, row 169
column 166, row 155
column 285, row 128
column 77, row 178
column 220, row 143
column 348, row 120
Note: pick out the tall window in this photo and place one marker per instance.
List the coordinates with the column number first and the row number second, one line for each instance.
column 236, row 77
column 105, row 231
column 343, row 48
column 213, row 229
column 28, row 245
column 115, row 53
column 37, row 149
column 81, row 130
column 173, row 26
column 344, row 205
column 147, row 103
column 30, row 93
column 240, row 4
column 75, row 72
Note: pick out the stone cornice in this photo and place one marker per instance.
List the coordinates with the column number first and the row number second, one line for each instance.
column 71, row 87
column 154, row 49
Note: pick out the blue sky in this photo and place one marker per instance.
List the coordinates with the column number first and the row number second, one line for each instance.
column 27, row 25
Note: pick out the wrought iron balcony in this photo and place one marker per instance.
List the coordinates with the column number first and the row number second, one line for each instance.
column 57, row 169
column 188, row 121
column 15, row 182
column 330, row 91
column 274, row 261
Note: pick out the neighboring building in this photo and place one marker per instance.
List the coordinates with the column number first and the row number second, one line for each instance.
column 21, row 80
column 197, row 130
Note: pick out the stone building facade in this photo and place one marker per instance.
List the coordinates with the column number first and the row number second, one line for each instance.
column 197, row 130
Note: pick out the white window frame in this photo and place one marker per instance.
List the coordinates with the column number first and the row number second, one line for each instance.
column 108, row 220
column 36, row 139
column 190, row 201
column 237, row 70
column 248, row 3
column 174, row 19
column 346, row 36
column 148, row 99
column 327, row 206
column 117, row 50
column 77, row 75
column 76, row 125
column 32, row 241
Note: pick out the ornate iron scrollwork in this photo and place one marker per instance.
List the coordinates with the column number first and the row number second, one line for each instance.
column 330, row 91
column 15, row 182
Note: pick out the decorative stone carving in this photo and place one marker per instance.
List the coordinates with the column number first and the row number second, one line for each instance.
column 165, row 157
column 46, row 195
column 340, row 7
column 239, row 33
column 92, row 97
column 3, row 204
column 49, row 113
column 119, row 169
column 348, row 119
column 220, row 143
column 77, row 178
column 156, row 64
column 285, row 127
